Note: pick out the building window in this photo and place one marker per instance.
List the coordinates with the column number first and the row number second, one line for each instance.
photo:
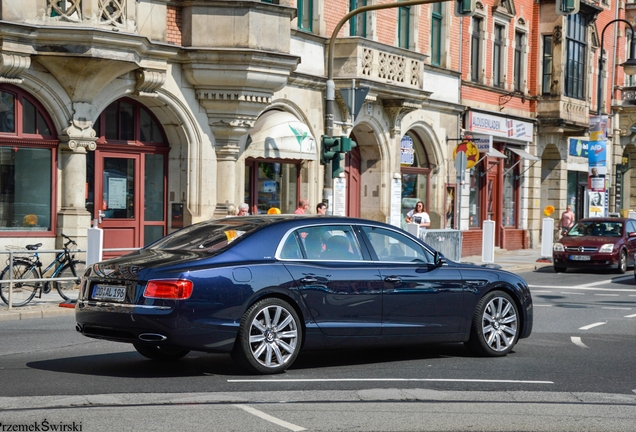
column 518, row 62
column 436, row 34
column 305, row 15
column 547, row 65
column 273, row 183
column 27, row 145
column 404, row 26
column 475, row 50
column 511, row 171
column 415, row 174
column 630, row 80
column 576, row 39
column 474, row 197
column 498, row 56
column 358, row 23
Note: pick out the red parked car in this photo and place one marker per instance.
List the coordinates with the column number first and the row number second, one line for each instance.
column 597, row 243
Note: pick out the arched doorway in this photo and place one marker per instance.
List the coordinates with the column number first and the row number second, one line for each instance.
column 415, row 171
column 126, row 176
column 28, row 153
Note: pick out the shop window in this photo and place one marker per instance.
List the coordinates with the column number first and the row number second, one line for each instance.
column 474, row 198
column 27, row 146
column 511, row 170
column 273, row 184
column 415, row 174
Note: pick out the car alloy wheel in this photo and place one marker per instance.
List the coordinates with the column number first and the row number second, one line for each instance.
column 269, row 338
column 622, row 262
column 495, row 327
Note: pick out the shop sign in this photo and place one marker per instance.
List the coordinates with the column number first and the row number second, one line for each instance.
column 499, row 126
column 482, row 142
column 407, row 152
column 471, row 152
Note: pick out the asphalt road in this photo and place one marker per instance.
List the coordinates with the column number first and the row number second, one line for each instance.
column 576, row 372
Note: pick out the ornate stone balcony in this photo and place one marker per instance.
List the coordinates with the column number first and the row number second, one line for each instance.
column 562, row 114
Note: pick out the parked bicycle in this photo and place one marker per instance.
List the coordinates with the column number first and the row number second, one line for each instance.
column 30, row 267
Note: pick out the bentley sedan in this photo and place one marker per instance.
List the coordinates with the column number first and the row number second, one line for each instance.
column 597, row 243
column 263, row 288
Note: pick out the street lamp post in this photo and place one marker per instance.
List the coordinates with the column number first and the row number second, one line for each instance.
column 629, row 66
column 330, row 93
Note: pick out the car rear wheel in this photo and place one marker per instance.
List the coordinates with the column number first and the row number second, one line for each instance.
column 495, row 327
column 622, row 262
column 160, row 353
column 559, row 269
column 269, row 337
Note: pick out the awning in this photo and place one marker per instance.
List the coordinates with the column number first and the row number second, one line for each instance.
column 524, row 154
column 495, row 153
column 279, row 134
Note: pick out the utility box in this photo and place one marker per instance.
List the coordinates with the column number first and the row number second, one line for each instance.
column 177, row 216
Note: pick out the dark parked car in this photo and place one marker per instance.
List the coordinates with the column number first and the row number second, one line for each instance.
column 264, row 287
column 597, row 243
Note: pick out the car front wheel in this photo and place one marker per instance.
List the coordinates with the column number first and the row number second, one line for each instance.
column 269, row 337
column 622, row 262
column 495, row 327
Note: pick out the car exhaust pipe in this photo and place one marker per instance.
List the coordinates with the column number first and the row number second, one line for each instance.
column 78, row 328
column 152, row 337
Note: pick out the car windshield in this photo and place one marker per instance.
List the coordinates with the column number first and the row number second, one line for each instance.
column 597, row 229
column 205, row 236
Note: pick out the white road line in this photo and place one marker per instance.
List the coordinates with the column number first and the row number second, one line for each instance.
column 616, row 308
column 571, row 293
column 608, row 295
column 542, row 305
column 591, row 284
column 630, row 316
column 583, row 288
column 540, row 292
column 270, row 418
column 577, row 341
column 587, row 327
column 384, row 380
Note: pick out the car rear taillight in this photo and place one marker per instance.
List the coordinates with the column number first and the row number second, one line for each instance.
column 168, row 289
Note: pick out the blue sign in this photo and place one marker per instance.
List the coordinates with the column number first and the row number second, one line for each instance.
column 578, row 147
column 597, row 153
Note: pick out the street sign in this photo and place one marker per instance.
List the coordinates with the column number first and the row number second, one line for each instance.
column 354, row 99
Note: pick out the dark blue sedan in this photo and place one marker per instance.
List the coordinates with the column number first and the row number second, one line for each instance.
column 264, row 287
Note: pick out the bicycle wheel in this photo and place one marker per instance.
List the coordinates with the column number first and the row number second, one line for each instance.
column 23, row 292
column 69, row 289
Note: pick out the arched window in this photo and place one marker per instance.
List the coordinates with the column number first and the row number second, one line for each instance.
column 28, row 146
column 415, row 173
column 127, row 120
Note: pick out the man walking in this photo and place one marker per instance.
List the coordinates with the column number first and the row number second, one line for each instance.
column 303, row 204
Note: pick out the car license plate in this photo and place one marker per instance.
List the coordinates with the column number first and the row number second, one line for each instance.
column 109, row 292
column 580, row 257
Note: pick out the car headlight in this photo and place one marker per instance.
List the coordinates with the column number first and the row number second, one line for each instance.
column 558, row 247
column 607, row 248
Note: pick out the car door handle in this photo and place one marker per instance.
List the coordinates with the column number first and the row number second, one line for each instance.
column 309, row 280
column 392, row 279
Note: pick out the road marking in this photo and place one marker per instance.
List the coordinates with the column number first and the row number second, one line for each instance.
column 270, row 418
column 591, row 284
column 608, row 295
column 571, row 293
column 577, row 341
column 616, row 308
column 292, row 380
column 542, row 305
column 541, row 292
column 630, row 316
column 587, row 327
column 584, row 288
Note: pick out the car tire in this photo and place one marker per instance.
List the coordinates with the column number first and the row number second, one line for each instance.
column 495, row 327
column 269, row 337
column 160, row 353
column 622, row 263
column 560, row 269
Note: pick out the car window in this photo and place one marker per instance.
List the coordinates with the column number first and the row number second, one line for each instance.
column 205, row 236
column 391, row 245
column 291, row 248
column 597, row 229
column 631, row 227
column 329, row 242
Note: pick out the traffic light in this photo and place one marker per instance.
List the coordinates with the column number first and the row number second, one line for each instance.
column 347, row 144
column 329, row 149
column 467, row 7
column 567, row 7
column 337, row 167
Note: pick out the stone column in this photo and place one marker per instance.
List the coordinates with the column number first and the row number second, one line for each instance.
column 73, row 219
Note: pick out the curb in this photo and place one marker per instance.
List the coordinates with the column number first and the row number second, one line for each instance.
column 45, row 312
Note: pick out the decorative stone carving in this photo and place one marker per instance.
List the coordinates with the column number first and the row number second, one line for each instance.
column 12, row 66
column 396, row 109
column 149, row 81
column 80, row 136
column 66, row 10
column 557, row 35
column 112, row 12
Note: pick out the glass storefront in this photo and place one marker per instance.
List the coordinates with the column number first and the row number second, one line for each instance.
column 474, row 197
column 272, row 184
column 415, row 175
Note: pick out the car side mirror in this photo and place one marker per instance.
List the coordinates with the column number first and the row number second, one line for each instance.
column 439, row 259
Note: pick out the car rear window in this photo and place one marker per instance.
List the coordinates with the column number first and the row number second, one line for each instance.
column 206, row 236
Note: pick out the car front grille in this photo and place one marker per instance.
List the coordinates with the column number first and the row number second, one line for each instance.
column 581, row 249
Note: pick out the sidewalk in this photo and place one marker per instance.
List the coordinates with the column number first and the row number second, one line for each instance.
column 49, row 304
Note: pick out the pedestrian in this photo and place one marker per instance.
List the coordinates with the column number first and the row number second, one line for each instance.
column 303, row 205
column 321, row 209
column 231, row 210
column 419, row 216
column 243, row 209
column 567, row 220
